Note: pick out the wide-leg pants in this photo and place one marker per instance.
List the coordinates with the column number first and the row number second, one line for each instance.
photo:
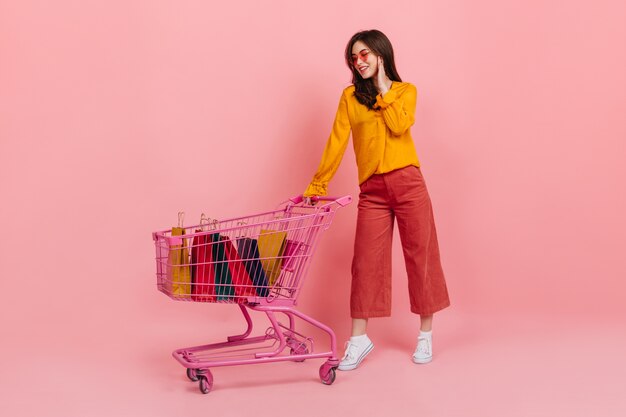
column 401, row 195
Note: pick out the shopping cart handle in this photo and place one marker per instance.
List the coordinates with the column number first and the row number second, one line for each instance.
column 342, row 201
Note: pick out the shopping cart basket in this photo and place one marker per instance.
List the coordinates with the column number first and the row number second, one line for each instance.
column 258, row 262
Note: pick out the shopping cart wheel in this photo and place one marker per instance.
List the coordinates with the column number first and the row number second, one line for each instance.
column 327, row 374
column 299, row 351
column 191, row 374
column 205, row 383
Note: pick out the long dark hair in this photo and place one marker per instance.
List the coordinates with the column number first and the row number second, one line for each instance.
column 365, row 90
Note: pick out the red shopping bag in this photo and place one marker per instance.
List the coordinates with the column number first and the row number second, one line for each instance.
column 244, row 287
column 294, row 251
column 202, row 268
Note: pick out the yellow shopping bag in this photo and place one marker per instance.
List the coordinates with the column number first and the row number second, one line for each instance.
column 178, row 271
column 271, row 248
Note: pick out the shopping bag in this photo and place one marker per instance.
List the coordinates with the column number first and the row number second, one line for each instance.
column 294, row 251
column 178, row 273
column 202, row 268
column 243, row 285
column 223, row 280
column 271, row 247
column 249, row 253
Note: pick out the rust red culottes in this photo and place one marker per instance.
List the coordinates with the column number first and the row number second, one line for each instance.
column 400, row 194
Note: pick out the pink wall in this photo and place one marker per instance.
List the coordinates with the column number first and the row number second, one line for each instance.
column 116, row 115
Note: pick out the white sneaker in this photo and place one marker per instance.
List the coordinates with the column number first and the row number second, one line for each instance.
column 355, row 353
column 424, row 350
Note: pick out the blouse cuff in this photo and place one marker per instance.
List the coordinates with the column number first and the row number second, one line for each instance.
column 316, row 188
column 385, row 101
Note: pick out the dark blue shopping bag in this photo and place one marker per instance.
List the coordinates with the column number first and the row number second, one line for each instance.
column 249, row 252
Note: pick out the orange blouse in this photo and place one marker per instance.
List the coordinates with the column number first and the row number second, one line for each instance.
column 381, row 138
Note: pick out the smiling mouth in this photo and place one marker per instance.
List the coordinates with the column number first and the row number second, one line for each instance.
column 363, row 69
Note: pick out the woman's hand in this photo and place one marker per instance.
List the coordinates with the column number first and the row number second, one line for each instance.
column 384, row 83
column 308, row 201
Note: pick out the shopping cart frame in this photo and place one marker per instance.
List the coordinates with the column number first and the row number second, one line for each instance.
column 281, row 342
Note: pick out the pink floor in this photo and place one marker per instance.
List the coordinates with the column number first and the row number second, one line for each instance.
column 484, row 365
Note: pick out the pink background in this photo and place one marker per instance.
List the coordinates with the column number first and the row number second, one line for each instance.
column 115, row 115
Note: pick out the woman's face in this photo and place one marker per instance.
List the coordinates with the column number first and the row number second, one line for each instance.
column 364, row 60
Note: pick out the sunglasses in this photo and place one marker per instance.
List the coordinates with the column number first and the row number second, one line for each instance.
column 363, row 55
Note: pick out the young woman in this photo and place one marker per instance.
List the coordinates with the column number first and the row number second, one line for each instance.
column 379, row 110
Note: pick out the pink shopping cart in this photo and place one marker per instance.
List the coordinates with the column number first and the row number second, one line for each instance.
column 258, row 262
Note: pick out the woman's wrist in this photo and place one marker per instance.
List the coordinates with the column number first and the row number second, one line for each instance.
column 385, row 87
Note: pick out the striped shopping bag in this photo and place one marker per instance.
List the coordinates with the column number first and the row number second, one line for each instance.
column 249, row 253
column 243, row 285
